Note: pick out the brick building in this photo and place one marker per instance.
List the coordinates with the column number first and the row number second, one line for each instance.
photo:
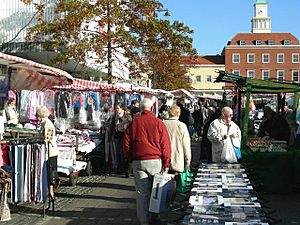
column 263, row 54
column 260, row 54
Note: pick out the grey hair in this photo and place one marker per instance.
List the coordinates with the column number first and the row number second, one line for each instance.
column 225, row 110
column 146, row 104
column 42, row 112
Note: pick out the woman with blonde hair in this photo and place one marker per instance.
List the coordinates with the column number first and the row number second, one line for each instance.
column 180, row 144
column 46, row 124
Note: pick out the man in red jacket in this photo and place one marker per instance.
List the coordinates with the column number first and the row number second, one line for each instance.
column 147, row 145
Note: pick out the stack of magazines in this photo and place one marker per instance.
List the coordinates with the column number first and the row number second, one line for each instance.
column 222, row 194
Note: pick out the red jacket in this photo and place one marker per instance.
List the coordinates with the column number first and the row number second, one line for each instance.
column 147, row 138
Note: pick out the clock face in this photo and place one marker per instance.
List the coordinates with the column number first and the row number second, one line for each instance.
column 260, row 12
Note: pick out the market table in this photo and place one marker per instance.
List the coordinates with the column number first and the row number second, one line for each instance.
column 276, row 170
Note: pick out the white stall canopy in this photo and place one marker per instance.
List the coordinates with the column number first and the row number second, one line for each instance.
column 27, row 74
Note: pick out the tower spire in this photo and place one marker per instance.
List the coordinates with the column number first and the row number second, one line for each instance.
column 261, row 22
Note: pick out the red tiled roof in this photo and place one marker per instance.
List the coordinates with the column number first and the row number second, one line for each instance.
column 204, row 60
column 250, row 38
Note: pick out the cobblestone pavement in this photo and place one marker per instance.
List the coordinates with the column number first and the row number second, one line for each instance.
column 29, row 213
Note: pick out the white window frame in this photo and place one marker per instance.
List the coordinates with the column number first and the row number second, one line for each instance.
column 198, row 76
column 263, row 74
column 279, row 56
column 208, row 78
column 270, row 42
column 249, row 57
column 263, row 58
column 286, row 42
column 250, row 71
column 258, row 42
column 236, row 72
column 236, row 60
column 278, row 73
column 295, row 57
column 242, row 42
column 295, row 71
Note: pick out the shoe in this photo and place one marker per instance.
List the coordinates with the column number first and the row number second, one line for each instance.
column 126, row 175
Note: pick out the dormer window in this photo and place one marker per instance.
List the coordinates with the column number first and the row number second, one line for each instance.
column 286, row 42
column 242, row 42
column 257, row 42
column 270, row 42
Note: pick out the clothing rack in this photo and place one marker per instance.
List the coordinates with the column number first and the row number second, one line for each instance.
column 36, row 139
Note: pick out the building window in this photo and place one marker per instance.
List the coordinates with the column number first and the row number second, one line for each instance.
column 270, row 42
column 198, row 78
column 236, row 72
column 266, row 74
column 265, row 58
column 250, row 58
column 295, row 75
column 208, row 78
column 250, row 73
column 280, row 58
column 286, row 42
column 235, row 58
column 295, row 58
column 280, row 75
column 257, row 42
column 242, row 42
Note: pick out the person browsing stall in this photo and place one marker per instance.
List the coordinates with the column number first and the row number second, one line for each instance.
column 147, row 146
column 45, row 125
column 221, row 129
column 12, row 116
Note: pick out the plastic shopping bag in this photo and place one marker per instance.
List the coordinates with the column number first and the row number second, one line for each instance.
column 228, row 154
column 185, row 180
column 161, row 193
column 236, row 144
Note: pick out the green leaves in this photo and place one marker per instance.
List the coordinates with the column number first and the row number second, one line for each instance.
column 132, row 27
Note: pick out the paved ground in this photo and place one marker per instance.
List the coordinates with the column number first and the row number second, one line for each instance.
column 101, row 200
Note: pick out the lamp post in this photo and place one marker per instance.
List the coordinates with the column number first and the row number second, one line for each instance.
column 167, row 14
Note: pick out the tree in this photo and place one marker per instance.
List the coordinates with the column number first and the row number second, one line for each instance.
column 105, row 30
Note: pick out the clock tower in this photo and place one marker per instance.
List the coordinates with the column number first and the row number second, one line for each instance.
column 261, row 22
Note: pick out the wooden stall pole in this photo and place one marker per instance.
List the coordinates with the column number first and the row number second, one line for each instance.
column 245, row 128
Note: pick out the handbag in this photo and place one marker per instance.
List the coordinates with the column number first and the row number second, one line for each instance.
column 237, row 151
column 185, row 180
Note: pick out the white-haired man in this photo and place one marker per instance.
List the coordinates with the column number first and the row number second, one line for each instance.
column 147, row 145
column 221, row 129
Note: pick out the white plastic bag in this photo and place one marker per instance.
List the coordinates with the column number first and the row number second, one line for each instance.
column 228, row 154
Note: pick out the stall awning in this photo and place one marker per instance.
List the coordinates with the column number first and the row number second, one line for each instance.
column 257, row 85
column 182, row 93
column 88, row 85
column 27, row 74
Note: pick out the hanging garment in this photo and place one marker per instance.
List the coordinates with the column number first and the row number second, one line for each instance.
column 4, row 154
column 76, row 101
column 62, row 104
column 49, row 102
column 120, row 98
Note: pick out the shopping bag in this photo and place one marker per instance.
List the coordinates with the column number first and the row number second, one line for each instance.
column 161, row 194
column 228, row 154
column 236, row 147
column 185, row 180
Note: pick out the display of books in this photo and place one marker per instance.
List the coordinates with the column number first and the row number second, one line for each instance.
column 223, row 194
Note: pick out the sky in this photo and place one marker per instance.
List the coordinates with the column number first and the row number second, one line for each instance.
column 215, row 22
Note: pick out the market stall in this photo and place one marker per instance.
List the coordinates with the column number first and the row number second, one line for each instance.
column 21, row 74
column 274, row 163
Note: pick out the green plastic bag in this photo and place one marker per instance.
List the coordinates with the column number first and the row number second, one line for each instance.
column 185, row 180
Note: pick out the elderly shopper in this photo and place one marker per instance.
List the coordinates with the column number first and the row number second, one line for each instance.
column 180, row 144
column 12, row 116
column 147, row 146
column 220, row 130
column 47, row 131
